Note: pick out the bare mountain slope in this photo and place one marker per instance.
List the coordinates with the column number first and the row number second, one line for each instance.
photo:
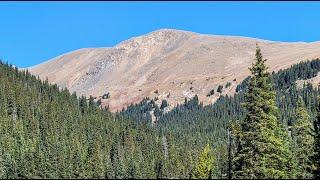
column 168, row 64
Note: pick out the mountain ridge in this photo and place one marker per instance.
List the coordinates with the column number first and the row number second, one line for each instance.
column 176, row 64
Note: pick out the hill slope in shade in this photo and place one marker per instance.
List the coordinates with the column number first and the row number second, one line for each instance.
column 168, row 64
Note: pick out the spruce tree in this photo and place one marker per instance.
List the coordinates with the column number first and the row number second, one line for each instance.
column 219, row 90
column 264, row 149
column 317, row 143
column 205, row 167
column 234, row 135
column 304, row 140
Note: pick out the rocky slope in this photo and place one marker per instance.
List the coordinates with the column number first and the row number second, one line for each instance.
column 167, row 64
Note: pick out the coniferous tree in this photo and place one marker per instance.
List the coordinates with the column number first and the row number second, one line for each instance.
column 234, row 134
column 317, row 143
column 219, row 90
column 205, row 167
column 264, row 151
column 164, row 104
column 304, row 142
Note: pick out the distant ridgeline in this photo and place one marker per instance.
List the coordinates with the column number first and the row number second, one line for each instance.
column 46, row 132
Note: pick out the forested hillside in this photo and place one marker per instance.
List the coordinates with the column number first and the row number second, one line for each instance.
column 229, row 108
column 211, row 123
column 46, row 132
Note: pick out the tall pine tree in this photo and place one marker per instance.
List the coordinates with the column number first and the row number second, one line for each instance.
column 304, row 141
column 264, row 151
column 317, row 143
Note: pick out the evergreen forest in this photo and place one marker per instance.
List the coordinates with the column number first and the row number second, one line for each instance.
column 269, row 129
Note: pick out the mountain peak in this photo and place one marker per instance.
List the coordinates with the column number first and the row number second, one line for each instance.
column 155, row 38
column 168, row 30
column 174, row 63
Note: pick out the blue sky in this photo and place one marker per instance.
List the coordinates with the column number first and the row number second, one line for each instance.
column 33, row 32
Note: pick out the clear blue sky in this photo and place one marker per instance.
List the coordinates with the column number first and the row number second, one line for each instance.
column 33, row 32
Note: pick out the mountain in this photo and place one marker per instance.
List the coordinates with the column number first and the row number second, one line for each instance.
column 48, row 133
column 167, row 64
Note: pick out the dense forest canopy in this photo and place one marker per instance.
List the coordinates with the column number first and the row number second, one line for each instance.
column 46, row 132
